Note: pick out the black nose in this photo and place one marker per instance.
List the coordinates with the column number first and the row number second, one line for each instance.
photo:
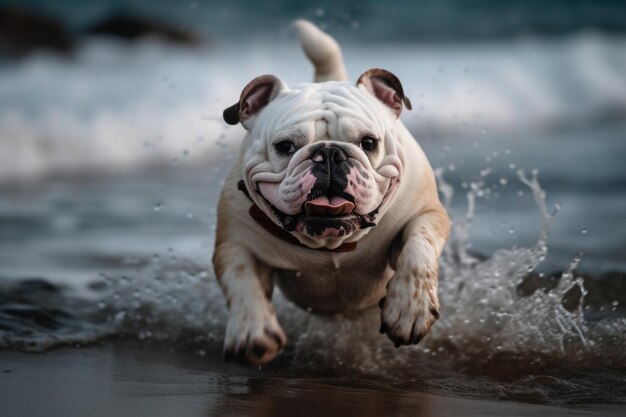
column 330, row 154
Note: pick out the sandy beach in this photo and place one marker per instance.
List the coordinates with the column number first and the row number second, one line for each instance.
column 120, row 379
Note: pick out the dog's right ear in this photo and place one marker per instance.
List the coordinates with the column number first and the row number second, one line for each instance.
column 254, row 97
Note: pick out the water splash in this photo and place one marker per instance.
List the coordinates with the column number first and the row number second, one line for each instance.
column 487, row 327
column 500, row 320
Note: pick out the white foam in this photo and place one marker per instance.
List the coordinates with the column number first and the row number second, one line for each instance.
column 115, row 107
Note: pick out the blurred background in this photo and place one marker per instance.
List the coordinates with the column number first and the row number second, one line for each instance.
column 113, row 149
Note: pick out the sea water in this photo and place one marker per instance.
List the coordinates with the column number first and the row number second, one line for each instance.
column 112, row 162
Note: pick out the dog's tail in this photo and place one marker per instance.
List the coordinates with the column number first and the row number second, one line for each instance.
column 322, row 50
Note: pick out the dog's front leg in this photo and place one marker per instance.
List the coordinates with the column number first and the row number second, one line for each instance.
column 411, row 305
column 252, row 332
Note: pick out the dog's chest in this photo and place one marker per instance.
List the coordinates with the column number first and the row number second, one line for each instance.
column 335, row 288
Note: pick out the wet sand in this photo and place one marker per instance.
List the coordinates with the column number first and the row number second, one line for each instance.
column 120, row 379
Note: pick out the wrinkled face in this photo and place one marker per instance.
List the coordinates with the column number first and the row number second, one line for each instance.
column 323, row 162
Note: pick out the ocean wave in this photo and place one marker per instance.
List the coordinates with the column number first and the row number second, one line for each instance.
column 115, row 107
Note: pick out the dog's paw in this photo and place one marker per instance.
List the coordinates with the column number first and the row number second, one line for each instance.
column 410, row 307
column 253, row 335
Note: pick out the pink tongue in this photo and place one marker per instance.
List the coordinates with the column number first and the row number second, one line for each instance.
column 335, row 206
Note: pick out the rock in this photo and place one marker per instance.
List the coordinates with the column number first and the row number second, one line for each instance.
column 134, row 27
column 23, row 31
column 603, row 292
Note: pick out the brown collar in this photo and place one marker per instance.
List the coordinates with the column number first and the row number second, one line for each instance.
column 266, row 223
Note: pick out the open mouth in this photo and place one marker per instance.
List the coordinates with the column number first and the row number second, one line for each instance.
column 329, row 206
column 329, row 215
column 322, row 213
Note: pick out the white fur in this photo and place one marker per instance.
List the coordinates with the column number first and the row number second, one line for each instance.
column 398, row 258
column 323, row 52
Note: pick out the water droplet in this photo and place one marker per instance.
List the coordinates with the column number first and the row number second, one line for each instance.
column 503, row 181
column 158, row 207
column 511, row 230
column 185, row 153
column 584, row 231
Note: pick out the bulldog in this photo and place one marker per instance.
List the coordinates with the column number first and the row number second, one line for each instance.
column 332, row 199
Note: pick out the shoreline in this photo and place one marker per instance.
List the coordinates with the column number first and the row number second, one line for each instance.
column 122, row 379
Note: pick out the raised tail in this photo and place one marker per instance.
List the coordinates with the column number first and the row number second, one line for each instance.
column 322, row 50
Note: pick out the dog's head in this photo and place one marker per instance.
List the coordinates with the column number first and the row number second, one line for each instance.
column 322, row 160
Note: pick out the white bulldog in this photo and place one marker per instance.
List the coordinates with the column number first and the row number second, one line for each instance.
column 332, row 199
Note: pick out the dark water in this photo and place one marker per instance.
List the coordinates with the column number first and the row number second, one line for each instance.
column 124, row 380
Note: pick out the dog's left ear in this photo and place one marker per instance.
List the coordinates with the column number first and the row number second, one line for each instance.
column 254, row 97
column 386, row 87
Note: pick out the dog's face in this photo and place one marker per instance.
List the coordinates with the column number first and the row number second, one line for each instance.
column 322, row 159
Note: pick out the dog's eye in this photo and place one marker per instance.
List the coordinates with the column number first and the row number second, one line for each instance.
column 285, row 147
column 368, row 143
